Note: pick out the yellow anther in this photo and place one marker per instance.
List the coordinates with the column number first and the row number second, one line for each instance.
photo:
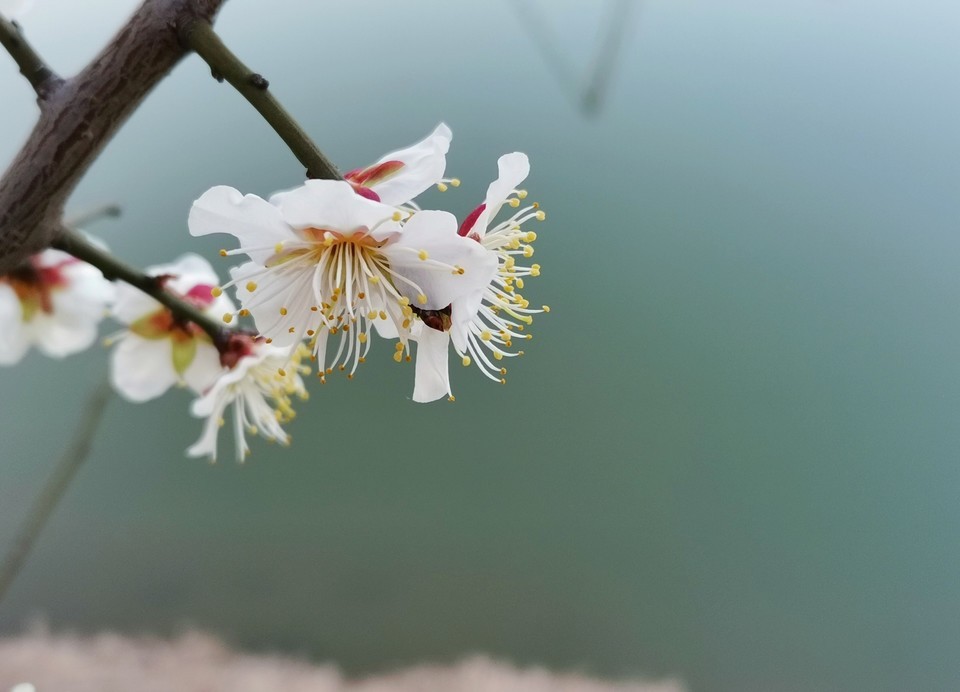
column 350, row 376
column 251, row 286
column 268, row 340
column 227, row 317
column 398, row 347
column 546, row 308
column 514, row 202
column 466, row 361
column 503, row 371
column 404, row 300
column 291, row 330
column 528, row 251
column 333, row 330
column 535, row 270
column 398, row 356
column 486, row 335
column 519, row 283
column 383, row 315
column 281, row 372
column 278, row 248
column 442, row 187
column 541, row 215
column 522, row 194
column 497, row 355
column 374, row 280
column 422, row 254
column 314, row 308
column 283, row 311
column 362, row 338
column 361, row 359
column 451, row 398
column 397, row 216
column 372, row 315
column 244, row 312
column 216, row 291
column 328, row 239
column 310, row 332
column 422, row 299
column 361, row 295
column 406, row 324
column 223, row 253
column 530, row 236
column 455, row 182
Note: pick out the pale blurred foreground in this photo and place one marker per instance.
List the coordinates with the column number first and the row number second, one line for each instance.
column 197, row 662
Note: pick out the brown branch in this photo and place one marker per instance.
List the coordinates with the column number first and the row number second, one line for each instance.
column 81, row 116
column 74, row 243
column 43, row 80
column 200, row 36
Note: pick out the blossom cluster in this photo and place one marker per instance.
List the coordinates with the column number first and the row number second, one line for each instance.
column 326, row 269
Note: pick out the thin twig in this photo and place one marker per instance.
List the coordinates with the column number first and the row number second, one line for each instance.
column 43, row 80
column 85, row 218
column 200, row 36
column 74, row 243
column 46, row 502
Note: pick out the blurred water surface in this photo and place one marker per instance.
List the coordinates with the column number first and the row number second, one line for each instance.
column 730, row 453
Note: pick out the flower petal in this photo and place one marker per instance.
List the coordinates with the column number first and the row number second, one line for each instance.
column 423, row 165
column 513, row 169
column 432, row 373
column 434, row 234
column 13, row 337
column 205, row 368
column 331, row 205
column 256, row 223
column 142, row 369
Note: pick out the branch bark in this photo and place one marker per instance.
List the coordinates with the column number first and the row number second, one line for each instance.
column 80, row 116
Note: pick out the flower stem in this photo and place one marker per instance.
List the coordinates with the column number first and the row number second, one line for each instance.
column 201, row 38
column 46, row 502
column 43, row 80
column 77, row 245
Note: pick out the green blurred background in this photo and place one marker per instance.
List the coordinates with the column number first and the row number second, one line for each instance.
column 730, row 453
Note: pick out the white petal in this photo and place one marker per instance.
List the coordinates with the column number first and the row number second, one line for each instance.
column 205, row 368
column 462, row 313
column 435, row 232
column 13, row 338
column 331, row 205
column 60, row 335
column 424, row 165
column 513, row 169
column 206, row 446
column 288, row 288
column 256, row 223
column 432, row 375
column 131, row 304
column 142, row 369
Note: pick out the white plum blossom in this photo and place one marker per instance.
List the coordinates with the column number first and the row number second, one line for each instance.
column 260, row 383
column 326, row 261
column 398, row 177
column 54, row 302
column 157, row 350
column 14, row 9
column 483, row 324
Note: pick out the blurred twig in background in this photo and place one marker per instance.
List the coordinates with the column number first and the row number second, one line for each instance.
column 589, row 93
column 46, row 502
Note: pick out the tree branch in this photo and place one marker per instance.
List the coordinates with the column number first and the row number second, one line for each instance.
column 43, row 80
column 80, row 118
column 74, row 243
column 200, row 36
column 56, row 485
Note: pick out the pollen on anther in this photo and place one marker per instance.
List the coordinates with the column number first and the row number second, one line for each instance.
column 466, row 361
column 244, row 312
column 546, row 308
column 283, row 311
column 223, row 253
column 522, row 194
column 310, row 332
column 278, row 248
column 268, row 340
column 216, row 291
column 422, row 255
column 455, row 182
column 281, row 372
column 227, row 317
column 398, row 356
column 514, row 202
column 383, row 315
column 397, row 216
column 251, row 286
column 362, row 338
column 422, row 299
column 442, row 187
column 398, row 347
column 541, row 215
column 292, row 330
